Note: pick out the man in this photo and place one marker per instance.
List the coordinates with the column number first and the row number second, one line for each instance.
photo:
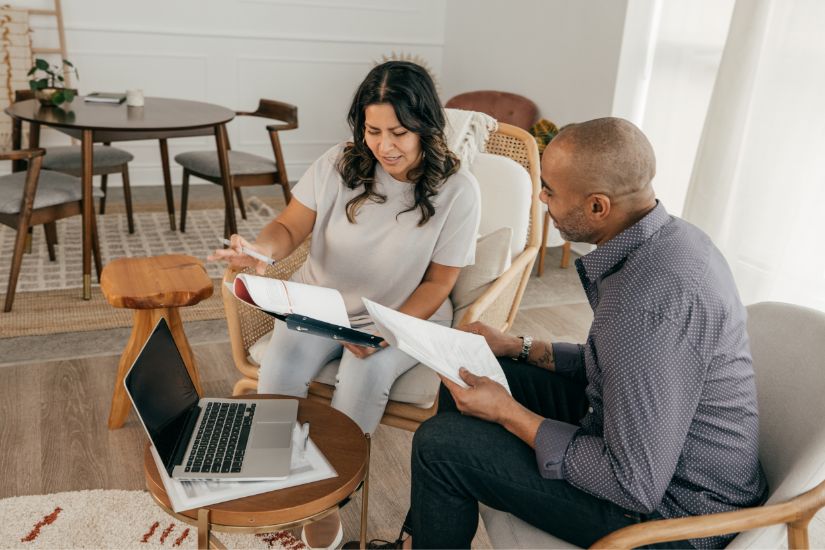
column 654, row 416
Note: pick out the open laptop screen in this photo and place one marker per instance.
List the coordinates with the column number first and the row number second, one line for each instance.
column 161, row 389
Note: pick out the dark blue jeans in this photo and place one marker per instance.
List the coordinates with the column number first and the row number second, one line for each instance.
column 459, row 461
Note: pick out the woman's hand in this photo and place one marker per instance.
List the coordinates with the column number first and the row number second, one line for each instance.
column 362, row 352
column 238, row 259
column 501, row 344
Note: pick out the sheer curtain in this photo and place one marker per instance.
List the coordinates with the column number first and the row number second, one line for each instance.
column 758, row 183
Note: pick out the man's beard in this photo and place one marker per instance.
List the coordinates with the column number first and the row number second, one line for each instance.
column 574, row 227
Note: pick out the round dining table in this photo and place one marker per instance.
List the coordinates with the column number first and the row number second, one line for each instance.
column 158, row 118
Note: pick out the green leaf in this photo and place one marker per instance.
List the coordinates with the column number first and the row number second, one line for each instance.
column 67, row 62
column 60, row 78
column 31, row 71
column 41, row 64
column 59, row 97
column 39, row 84
column 69, row 94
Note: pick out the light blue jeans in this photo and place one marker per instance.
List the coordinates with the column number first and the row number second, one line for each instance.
column 362, row 387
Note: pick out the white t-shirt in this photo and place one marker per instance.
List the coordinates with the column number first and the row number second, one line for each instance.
column 383, row 255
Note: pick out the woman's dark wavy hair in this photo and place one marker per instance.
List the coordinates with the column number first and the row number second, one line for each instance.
column 411, row 92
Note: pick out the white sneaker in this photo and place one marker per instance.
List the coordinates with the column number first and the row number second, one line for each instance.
column 339, row 538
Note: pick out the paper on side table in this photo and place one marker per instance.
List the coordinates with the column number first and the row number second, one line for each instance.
column 307, row 466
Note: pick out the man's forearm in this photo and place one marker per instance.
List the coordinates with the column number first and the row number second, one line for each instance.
column 541, row 355
column 521, row 422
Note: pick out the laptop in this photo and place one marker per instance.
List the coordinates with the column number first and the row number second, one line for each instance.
column 206, row 438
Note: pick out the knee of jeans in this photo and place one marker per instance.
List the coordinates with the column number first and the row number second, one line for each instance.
column 435, row 435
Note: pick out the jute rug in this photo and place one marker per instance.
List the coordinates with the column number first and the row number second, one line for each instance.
column 110, row 519
column 48, row 298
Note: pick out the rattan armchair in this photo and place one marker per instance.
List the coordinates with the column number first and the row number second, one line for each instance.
column 497, row 306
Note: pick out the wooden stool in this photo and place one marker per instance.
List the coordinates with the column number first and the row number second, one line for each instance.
column 154, row 287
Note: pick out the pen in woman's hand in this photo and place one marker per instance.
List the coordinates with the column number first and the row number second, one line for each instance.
column 251, row 253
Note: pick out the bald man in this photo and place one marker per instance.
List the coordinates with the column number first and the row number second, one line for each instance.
column 653, row 417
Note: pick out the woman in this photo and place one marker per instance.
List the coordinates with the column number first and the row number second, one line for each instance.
column 392, row 218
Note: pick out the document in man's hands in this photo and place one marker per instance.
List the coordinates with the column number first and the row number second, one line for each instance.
column 304, row 308
column 443, row 349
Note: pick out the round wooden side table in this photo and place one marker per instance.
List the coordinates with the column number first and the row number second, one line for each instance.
column 343, row 444
column 155, row 287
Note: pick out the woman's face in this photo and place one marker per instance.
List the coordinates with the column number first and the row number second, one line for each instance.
column 396, row 148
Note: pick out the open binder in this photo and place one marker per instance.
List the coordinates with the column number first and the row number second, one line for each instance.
column 304, row 308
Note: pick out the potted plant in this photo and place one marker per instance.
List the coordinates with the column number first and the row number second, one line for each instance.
column 49, row 89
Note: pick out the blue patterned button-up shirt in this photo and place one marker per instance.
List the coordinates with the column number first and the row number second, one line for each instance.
column 672, row 426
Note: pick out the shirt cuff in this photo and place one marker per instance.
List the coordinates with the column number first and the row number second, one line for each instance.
column 567, row 358
column 552, row 441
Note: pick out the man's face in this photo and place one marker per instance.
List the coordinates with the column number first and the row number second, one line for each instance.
column 566, row 202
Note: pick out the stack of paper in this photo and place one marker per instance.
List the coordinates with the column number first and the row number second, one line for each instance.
column 307, row 466
column 443, row 349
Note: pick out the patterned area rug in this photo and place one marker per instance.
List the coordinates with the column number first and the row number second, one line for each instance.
column 110, row 519
column 152, row 236
column 48, row 298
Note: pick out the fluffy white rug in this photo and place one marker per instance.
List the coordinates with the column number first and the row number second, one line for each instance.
column 109, row 519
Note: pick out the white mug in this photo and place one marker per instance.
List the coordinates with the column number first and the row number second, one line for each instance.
column 134, row 98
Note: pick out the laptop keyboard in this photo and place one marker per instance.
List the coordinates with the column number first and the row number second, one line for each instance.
column 220, row 443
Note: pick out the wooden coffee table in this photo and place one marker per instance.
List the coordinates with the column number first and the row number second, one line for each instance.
column 343, row 444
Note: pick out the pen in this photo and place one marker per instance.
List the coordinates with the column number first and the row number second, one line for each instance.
column 304, row 435
column 251, row 253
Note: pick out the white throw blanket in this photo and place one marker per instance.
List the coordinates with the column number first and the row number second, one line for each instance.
column 467, row 133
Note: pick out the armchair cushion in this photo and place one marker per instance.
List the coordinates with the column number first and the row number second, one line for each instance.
column 492, row 259
column 506, row 194
column 69, row 157
column 52, row 188
column 507, row 531
column 240, row 163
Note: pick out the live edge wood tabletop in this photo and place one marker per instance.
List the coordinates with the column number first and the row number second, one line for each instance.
column 154, row 287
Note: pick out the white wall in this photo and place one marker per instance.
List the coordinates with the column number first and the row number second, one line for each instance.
column 309, row 52
column 562, row 54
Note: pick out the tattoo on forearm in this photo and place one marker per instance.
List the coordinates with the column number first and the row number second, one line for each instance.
column 545, row 361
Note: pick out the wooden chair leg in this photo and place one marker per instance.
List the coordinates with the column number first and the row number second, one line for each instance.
column 104, row 181
column 96, row 248
column 543, row 248
column 127, row 197
column 565, row 254
column 287, row 191
column 16, row 260
column 184, row 200
column 50, row 230
column 239, row 196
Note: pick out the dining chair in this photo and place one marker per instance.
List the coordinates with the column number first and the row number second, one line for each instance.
column 508, row 176
column 245, row 169
column 36, row 197
column 105, row 159
column 519, row 111
column 789, row 364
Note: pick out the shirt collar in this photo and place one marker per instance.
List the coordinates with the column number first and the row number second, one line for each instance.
column 598, row 262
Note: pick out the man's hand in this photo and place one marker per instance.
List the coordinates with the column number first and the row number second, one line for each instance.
column 488, row 400
column 502, row 345
column 484, row 398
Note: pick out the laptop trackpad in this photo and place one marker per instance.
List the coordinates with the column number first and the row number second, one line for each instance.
column 271, row 435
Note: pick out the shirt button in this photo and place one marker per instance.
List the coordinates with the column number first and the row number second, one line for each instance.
column 590, row 409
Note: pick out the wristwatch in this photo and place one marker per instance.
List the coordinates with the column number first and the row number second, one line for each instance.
column 526, row 344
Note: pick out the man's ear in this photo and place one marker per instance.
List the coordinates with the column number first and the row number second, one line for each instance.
column 599, row 206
